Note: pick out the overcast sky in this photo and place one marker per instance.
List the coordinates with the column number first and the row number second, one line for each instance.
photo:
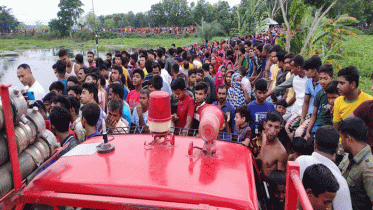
column 30, row 11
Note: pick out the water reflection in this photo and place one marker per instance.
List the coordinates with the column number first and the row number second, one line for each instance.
column 40, row 61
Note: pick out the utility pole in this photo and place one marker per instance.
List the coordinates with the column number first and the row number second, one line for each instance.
column 94, row 19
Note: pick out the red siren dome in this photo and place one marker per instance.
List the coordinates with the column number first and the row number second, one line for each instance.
column 211, row 121
column 159, row 112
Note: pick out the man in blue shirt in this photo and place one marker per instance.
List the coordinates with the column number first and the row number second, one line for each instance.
column 116, row 91
column 260, row 107
column 90, row 117
column 60, row 71
column 224, row 106
column 312, row 66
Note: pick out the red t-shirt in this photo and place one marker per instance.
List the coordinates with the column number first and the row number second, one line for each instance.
column 185, row 108
column 364, row 111
column 133, row 98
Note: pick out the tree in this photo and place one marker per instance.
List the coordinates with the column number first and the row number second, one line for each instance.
column 70, row 11
column 7, row 20
column 109, row 23
column 323, row 8
column 91, row 21
column 206, row 31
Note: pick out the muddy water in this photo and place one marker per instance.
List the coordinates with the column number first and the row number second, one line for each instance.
column 40, row 61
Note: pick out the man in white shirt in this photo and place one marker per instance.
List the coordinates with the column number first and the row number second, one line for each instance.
column 25, row 76
column 326, row 147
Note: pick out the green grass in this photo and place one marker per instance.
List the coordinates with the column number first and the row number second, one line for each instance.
column 104, row 44
column 359, row 54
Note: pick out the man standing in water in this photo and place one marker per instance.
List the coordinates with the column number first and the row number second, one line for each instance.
column 272, row 155
column 25, row 76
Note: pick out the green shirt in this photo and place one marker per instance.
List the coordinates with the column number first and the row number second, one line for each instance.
column 358, row 171
column 321, row 102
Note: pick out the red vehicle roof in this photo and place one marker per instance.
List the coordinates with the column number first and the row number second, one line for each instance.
column 163, row 173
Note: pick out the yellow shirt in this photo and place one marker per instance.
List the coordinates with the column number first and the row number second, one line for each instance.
column 145, row 72
column 125, row 72
column 190, row 66
column 275, row 70
column 291, row 90
column 342, row 108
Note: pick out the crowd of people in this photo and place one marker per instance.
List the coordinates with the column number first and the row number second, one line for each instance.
column 153, row 30
column 280, row 105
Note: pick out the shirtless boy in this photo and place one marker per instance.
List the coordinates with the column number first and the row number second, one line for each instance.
column 273, row 154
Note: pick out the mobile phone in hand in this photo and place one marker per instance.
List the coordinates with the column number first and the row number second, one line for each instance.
column 30, row 95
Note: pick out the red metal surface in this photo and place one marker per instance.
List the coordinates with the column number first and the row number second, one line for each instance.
column 295, row 189
column 9, row 127
column 104, row 202
column 163, row 173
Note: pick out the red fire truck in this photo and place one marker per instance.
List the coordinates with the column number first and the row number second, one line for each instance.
column 159, row 170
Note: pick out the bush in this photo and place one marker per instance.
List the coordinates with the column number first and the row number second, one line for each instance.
column 368, row 31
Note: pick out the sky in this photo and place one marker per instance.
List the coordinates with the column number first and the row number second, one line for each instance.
column 31, row 11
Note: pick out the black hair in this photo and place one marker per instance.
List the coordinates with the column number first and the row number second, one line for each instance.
column 107, row 63
column 242, row 50
column 79, row 58
column 276, row 178
column 117, row 89
column 178, row 84
column 298, row 61
column 354, row 127
column 200, row 71
column 242, row 71
column 119, row 69
column 319, row 179
column 191, row 72
column 85, row 69
column 223, row 87
column 179, row 50
column 331, row 88
column 290, row 56
column 149, row 66
column 99, row 62
column 74, row 103
column 91, row 112
column 261, row 85
column 281, row 56
column 61, row 67
column 93, row 75
column 91, row 88
column 298, row 144
column 202, row 86
column 327, row 69
column 73, row 79
column 57, row 85
column 145, row 91
column 171, row 51
column 60, row 119
column 102, row 80
column 40, row 105
column 134, row 57
column 116, row 104
column 157, row 82
column 62, row 100
column 248, row 43
column 161, row 64
column 49, row 96
column 62, row 53
column 54, row 66
column 156, row 65
column 327, row 139
column 186, row 65
column 282, row 102
column 175, row 68
column 351, row 74
column 274, row 116
column 244, row 111
column 102, row 67
column 159, row 52
column 76, row 88
column 276, row 48
column 24, row 66
column 313, row 62
column 138, row 71
column 109, row 54
column 90, row 52
column 260, row 47
column 206, row 67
